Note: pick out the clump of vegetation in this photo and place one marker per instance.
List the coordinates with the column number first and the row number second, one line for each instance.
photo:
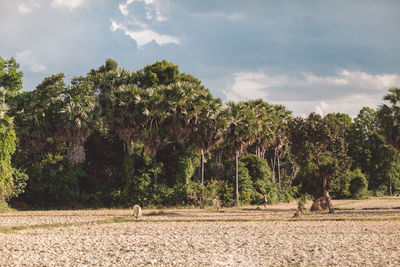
column 157, row 136
column 301, row 206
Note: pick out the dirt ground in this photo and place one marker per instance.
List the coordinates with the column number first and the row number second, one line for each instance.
column 361, row 232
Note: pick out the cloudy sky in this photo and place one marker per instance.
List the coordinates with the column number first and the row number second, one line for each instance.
column 311, row 55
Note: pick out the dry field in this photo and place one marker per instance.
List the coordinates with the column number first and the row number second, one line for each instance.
column 365, row 232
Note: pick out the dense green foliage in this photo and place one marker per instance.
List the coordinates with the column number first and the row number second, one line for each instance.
column 12, row 180
column 158, row 137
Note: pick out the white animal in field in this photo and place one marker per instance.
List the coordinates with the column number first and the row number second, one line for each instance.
column 137, row 211
column 216, row 203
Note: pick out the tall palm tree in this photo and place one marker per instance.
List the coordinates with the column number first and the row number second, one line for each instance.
column 152, row 105
column 118, row 98
column 242, row 130
column 264, row 113
column 210, row 126
column 281, row 118
column 127, row 119
column 182, row 110
column 37, row 112
column 78, row 116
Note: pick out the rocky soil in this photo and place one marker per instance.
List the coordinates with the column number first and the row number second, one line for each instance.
column 248, row 236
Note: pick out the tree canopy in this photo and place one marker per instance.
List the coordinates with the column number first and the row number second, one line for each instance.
column 115, row 137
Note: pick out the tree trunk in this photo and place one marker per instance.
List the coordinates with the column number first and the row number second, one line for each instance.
column 155, row 178
column 273, row 171
column 279, row 172
column 202, row 167
column 236, row 178
column 326, row 195
column 390, row 188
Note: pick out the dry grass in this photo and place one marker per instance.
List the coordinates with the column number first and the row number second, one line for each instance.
column 362, row 232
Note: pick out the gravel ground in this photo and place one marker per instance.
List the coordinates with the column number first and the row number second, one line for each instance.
column 303, row 243
column 28, row 220
column 205, row 237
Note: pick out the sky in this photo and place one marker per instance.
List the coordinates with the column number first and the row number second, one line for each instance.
column 311, row 56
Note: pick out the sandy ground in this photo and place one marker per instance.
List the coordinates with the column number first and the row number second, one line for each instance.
column 207, row 244
column 251, row 236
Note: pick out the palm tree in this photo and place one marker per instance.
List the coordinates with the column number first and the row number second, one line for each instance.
column 31, row 121
column 210, row 126
column 118, row 98
column 280, row 117
column 389, row 118
column 264, row 113
column 37, row 113
column 182, row 110
column 152, row 105
column 78, row 116
column 127, row 119
column 242, row 130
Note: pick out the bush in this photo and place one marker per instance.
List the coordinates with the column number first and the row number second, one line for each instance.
column 358, row 185
column 54, row 182
column 7, row 148
column 351, row 184
column 274, row 194
column 258, row 168
column 162, row 195
column 213, row 189
column 19, row 178
column 260, row 175
column 246, row 190
column 138, row 173
column 187, row 164
column 341, row 187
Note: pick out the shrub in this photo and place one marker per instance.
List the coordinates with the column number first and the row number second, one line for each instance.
column 358, row 185
column 350, row 184
column 7, row 148
column 213, row 189
column 54, row 182
column 246, row 190
column 258, row 168
column 138, row 173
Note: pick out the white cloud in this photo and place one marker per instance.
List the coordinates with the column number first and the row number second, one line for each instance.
column 247, row 85
column 347, row 91
column 152, row 7
column 124, row 9
column 28, row 7
column 67, row 4
column 236, row 16
column 139, row 25
column 28, row 60
column 144, row 36
column 322, row 108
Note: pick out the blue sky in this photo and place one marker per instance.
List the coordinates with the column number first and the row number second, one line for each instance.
column 322, row 56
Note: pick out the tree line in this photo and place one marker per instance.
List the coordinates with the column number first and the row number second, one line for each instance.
column 157, row 136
